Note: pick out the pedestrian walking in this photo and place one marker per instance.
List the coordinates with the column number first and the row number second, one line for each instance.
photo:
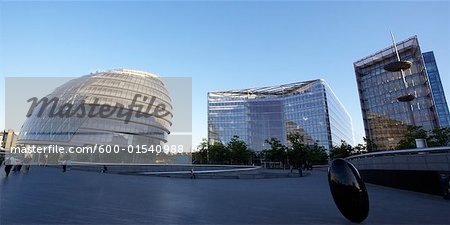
column 105, row 169
column 26, row 164
column 64, row 166
column 8, row 167
column 2, row 159
column 69, row 164
column 192, row 173
column 17, row 167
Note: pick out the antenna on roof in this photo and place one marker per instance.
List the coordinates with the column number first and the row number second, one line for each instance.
column 395, row 46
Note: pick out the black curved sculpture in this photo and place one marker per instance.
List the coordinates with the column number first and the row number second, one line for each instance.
column 348, row 190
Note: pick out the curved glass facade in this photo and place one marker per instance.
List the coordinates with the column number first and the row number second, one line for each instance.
column 309, row 108
column 74, row 116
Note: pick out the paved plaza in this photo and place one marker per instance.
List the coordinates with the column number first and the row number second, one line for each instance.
column 48, row 196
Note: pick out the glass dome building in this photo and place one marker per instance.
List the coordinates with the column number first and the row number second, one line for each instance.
column 119, row 108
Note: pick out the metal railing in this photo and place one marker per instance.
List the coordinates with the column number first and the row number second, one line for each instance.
column 423, row 159
column 429, row 150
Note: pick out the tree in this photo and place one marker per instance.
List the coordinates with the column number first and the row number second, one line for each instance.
column 201, row 155
column 297, row 151
column 360, row 149
column 277, row 151
column 342, row 151
column 412, row 133
column 440, row 137
column 239, row 153
column 370, row 145
column 218, row 153
column 316, row 154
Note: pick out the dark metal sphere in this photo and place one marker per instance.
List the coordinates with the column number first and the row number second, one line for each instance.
column 348, row 190
column 397, row 66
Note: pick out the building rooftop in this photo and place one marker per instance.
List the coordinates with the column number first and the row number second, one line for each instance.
column 388, row 51
column 128, row 72
column 269, row 90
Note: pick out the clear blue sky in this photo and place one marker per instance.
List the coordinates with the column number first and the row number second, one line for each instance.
column 221, row 45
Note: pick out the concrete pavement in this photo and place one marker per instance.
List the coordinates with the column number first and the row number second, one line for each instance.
column 48, row 196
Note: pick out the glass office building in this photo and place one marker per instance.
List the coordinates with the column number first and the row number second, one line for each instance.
column 80, row 121
column 386, row 118
column 309, row 108
column 437, row 90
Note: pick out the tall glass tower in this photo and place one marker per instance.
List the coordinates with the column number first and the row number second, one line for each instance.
column 385, row 117
column 437, row 90
column 309, row 108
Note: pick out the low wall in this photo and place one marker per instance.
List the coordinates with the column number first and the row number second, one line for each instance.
column 424, row 162
column 424, row 170
column 184, row 171
column 429, row 182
